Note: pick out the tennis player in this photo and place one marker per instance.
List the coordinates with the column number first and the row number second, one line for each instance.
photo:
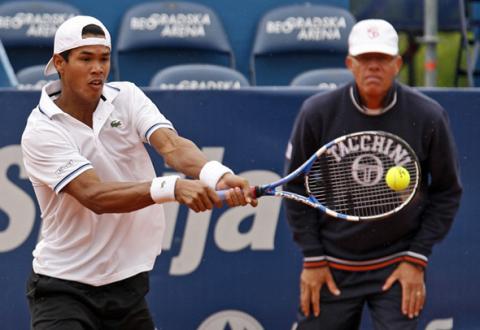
column 380, row 264
column 103, row 222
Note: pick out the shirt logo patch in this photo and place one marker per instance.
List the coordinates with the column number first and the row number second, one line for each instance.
column 62, row 169
column 116, row 123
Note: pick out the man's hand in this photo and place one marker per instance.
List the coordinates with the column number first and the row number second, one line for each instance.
column 238, row 190
column 411, row 278
column 311, row 282
column 196, row 195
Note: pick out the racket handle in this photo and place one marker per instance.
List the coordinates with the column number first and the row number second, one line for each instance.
column 222, row 194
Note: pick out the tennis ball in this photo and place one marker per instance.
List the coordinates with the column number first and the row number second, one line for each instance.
column 397, row 178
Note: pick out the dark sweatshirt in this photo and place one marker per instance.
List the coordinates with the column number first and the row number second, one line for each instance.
column 408, row 235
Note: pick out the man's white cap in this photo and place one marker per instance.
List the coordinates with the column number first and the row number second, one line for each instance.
column 69, row 36
column 373, row 36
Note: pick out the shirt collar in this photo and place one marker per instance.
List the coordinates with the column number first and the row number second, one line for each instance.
column 389, row 102
column 109, row 93
column 51, row 91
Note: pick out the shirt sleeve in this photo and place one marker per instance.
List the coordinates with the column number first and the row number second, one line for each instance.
column 444, row 189
column 51, row 158
column 146, row 116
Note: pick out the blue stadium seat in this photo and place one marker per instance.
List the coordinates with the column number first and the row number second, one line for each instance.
column 156, row 35
column 27, row 29
column 198, row 76
column 7, row 75
column 323, row 78
column 294, row 39
column 32, row 77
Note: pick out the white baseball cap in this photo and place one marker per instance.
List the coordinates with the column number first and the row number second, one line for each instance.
column 373, row 36
column 69, row 36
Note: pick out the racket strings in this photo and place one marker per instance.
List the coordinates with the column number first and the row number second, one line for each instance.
column 357, row 187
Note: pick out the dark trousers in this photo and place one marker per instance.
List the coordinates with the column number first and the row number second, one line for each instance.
column 57, row 304
column 357, row 289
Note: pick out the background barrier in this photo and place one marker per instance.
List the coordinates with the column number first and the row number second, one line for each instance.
column 238, row 268
column 239, row 18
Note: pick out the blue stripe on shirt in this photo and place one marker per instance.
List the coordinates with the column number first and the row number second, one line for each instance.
column 69, row 176
column 147, row 133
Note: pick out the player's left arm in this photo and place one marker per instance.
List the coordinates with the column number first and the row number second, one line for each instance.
column 179, row 153
column 184, row 156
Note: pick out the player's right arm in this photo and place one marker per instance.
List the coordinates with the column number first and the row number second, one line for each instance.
column 52, row 159
column 120, row 197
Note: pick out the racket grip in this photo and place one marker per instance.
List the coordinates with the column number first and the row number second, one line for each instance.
column 222, row 194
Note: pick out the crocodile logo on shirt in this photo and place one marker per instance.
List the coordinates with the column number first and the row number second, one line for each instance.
column 116, row 123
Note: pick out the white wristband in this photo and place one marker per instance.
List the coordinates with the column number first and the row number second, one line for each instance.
column 212, row 172
column 162, row 189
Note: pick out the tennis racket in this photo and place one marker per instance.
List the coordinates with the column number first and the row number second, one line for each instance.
column 346, row 177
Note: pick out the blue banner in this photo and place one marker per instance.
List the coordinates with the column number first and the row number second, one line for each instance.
column 238, row 268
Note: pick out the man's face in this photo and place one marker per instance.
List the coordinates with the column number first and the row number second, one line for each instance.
column 374, row 72
column 86, row 71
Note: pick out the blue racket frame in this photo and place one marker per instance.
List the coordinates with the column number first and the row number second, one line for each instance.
column 271, row 188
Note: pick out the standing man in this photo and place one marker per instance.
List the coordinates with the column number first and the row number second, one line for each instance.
column 380, row 263
column 103, row 221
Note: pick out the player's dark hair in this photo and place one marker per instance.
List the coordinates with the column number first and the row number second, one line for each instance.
column 65, row 55
column 93, row 29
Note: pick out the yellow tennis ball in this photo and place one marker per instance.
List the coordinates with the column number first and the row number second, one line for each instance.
column 397, row 178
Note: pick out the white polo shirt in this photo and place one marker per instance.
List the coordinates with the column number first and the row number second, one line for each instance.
column 76, row 243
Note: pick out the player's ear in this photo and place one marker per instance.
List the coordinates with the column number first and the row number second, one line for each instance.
column 58, row 62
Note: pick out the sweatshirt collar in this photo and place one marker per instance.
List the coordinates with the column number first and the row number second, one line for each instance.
column 389, row 102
